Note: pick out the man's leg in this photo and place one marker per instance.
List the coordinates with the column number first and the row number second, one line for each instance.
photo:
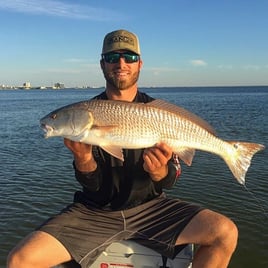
column 217, row 236
column 38, row 250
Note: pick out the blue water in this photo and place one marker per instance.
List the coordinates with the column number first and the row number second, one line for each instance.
column 37, row 178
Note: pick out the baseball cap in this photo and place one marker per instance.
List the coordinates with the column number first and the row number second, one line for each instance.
column 121, row 40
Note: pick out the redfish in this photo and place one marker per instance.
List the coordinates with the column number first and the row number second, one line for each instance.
column 114, row 125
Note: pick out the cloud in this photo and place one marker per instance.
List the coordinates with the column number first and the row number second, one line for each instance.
column 59, row 9
column 251, row 67
column 198, row 62
column 227, row 67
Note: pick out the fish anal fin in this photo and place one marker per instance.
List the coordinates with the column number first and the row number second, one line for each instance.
column 114, row 151
column 172, row 108
column 186, row 155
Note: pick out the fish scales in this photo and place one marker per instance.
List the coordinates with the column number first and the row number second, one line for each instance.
column 140, row 124
column 126, row 122
column 114, row 125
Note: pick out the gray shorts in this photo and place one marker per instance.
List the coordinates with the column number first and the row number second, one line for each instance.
column 86, row 231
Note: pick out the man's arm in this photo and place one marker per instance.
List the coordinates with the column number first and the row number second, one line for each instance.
column 87, row 172
column 156, row 162
column 83, row 158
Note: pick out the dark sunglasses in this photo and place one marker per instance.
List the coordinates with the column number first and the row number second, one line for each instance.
column 114, row 57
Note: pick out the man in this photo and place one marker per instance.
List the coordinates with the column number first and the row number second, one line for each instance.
column 124, row 200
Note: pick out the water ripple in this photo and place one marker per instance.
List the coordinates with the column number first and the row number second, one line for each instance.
column 37, row 178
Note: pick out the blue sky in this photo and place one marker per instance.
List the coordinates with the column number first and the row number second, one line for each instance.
column 183, row 42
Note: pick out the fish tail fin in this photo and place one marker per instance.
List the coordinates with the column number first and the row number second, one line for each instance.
column 239, row 162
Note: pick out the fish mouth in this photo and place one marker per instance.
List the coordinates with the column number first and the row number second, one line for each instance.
column 47, row 129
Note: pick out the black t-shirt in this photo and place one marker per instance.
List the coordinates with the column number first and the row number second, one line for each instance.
column 119, row 185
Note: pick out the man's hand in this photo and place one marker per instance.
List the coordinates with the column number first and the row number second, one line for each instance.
column 156, row 159
column 83, row 158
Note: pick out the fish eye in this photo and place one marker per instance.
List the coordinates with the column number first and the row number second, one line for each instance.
column 236, row 146
column 53, row 116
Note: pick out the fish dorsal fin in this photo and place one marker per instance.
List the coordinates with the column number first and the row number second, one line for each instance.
column 172, row 108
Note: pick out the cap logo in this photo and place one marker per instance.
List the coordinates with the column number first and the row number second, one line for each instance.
column 121, row 38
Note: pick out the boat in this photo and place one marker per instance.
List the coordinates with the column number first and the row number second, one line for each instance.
column 129, row 254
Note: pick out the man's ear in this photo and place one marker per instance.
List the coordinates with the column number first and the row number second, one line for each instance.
column 141, row 64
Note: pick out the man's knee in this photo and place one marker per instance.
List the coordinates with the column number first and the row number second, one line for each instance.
column 227, row 233
column 38, row 249
column 16, row 259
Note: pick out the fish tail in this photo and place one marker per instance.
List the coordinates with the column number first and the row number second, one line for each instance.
column 240, row 160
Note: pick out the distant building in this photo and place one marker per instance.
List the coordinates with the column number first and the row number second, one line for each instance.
column 27, row 85
column 59, row 85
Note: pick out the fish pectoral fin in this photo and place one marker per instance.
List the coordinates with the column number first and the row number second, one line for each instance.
column 186, row 155
column 78, row 138
column 114, row 151
column 103, row 129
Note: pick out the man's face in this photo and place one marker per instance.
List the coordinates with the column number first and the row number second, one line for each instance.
column 121, row 74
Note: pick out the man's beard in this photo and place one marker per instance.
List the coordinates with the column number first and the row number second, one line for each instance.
column 121, row 84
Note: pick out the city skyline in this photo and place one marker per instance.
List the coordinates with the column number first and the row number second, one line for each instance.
column 183, row 43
